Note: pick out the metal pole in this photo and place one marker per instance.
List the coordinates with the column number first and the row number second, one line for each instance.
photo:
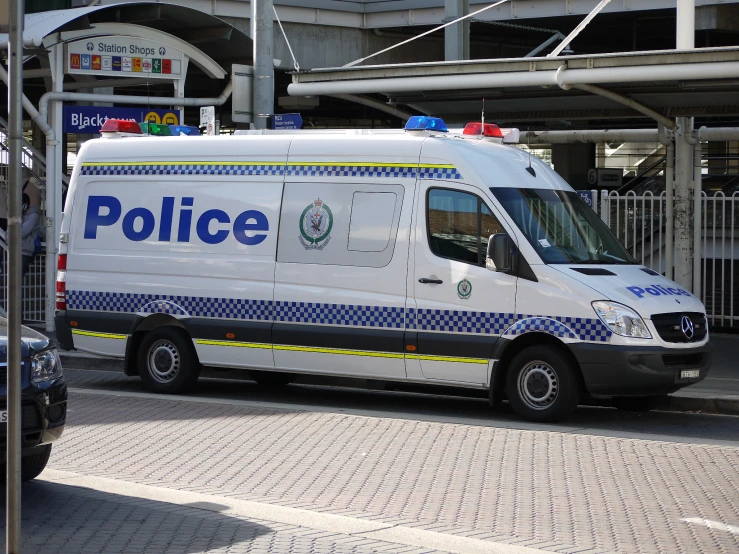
column 15, row 316
column 685, row 24
column 669, row 204
column 697, row 218
column 262, row 13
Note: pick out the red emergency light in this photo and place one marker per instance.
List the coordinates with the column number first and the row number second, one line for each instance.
column 121, row 126
column 484, row 129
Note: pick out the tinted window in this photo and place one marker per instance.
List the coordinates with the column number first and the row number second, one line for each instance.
column 459, row 225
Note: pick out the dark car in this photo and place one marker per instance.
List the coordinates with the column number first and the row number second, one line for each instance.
column 43, row 399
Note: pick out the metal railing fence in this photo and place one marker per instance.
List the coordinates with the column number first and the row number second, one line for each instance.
column 639, row 223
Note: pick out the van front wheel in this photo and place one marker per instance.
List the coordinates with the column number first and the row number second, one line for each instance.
column 541, row 384
column 167, row 361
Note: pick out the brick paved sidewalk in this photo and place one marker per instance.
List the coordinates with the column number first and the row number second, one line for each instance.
column 549, row 490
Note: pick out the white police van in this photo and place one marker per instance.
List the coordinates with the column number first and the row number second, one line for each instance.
column 420, row 257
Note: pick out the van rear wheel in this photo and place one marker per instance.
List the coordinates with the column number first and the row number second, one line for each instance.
column 167, row 361
column 541, row 384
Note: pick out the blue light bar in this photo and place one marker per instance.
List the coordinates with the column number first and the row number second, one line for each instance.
column 184, row 129
column 425, row 123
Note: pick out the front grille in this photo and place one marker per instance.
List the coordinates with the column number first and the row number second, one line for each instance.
column 688, row 360
column 669, row 326
column 30, row 416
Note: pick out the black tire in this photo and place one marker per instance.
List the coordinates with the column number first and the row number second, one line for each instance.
column 33, row 465
column 542, row 384
column 167, row 361
column 272, row 378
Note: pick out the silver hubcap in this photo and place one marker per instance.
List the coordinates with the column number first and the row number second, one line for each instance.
column 164, row 361
column 538, row 385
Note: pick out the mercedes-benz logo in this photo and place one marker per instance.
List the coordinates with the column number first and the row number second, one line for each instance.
column 687, row 327
column 90, row 47
column 162, row 51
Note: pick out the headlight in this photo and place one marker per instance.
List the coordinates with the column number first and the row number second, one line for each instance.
column 45, row 366
column 622, row 320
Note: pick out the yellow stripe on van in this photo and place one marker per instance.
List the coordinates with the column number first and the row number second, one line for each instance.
column 451, row 359
column 315, row 350
column 99, row 335
column 233, row 344
column 181, row 162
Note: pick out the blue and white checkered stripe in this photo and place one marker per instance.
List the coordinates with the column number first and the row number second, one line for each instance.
column 299, row 170
column 439, row 173
column 194, row 306
column 184, row 169
column 383, row 171
column 343, row 315
column 383, row 317
column 459, row 321
column 585, row 329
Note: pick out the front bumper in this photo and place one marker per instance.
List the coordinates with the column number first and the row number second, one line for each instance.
column 43, row 416
column 610, row 370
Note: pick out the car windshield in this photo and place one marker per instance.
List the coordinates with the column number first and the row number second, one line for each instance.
column 562, row 227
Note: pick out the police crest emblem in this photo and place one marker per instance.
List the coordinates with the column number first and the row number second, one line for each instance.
column 316, row 222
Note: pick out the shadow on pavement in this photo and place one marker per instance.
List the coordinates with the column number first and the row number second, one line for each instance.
column 64, row 518
column 451, row 405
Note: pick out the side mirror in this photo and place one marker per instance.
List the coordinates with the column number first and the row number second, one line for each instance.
column 499, row 253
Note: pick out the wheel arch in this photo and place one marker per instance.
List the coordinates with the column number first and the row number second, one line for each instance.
column 505, row 350
column 144, row 326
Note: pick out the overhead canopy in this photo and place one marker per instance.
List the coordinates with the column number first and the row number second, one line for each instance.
column 701, row 82
column 212, row 36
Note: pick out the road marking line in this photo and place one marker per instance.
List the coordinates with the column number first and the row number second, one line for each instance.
column 711, row 524
column 319, row 521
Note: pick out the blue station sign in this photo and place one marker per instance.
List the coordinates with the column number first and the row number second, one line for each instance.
column 89, row 119
column 287, row 121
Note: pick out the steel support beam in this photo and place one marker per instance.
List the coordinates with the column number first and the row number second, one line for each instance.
column 457, row 37
column 262, row 14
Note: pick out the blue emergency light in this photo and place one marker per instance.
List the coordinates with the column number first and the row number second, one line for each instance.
column 425, row 123
column 177, row 130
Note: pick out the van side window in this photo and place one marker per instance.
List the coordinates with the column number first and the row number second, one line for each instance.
column 459, row 224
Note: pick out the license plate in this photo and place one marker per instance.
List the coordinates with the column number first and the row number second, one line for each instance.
column 690, row 373
column 4, row 416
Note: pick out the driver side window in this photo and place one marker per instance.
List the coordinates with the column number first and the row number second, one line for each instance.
column 459, row 224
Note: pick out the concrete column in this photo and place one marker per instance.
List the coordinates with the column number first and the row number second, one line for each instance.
column 262, row 14
column 683, row 207
column 572, row 162
column 683, row 220
column 457, row 36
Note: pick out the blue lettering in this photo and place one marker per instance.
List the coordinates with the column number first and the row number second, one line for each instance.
column 95, row 219
column 147, row 227
column 652, row 291
column 183, row 232
column 138, row 224
column 165, row 225
column 203, row 225
column 673, row 291
column 639, row 292
column 242, row 225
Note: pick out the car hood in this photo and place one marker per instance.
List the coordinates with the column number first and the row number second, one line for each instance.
column 634, row 286
column 32, row 341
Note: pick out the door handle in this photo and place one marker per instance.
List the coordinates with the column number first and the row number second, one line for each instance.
column 426, row 281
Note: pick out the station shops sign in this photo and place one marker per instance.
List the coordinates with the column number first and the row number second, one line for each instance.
column 89, row 119
column 117, row 56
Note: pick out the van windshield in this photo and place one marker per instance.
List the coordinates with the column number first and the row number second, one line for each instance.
column 562, row 227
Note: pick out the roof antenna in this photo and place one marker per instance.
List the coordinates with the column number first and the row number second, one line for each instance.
column 482, row 118
column 528, row 147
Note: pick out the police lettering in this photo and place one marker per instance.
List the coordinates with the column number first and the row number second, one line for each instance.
column 212, row 226
column 657, row 290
